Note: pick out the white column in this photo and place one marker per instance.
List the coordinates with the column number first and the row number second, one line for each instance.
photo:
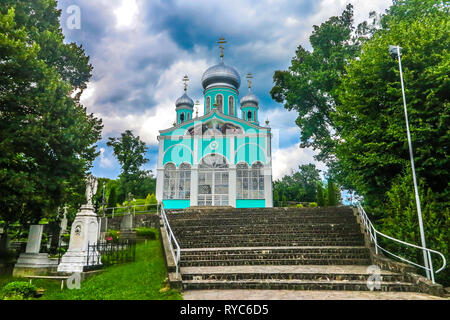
column 159, row 183
column 232, row 185
column 194, row 186
column 268, row 186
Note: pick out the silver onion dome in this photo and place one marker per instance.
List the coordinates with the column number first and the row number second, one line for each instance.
column 249, row 98
column 221, row 74
column 184, row 100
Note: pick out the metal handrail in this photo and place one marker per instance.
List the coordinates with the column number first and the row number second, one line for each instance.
column 134, row 208
column 176, row 257
column 370, row 229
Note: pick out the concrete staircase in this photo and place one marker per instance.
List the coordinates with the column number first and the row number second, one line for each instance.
column 276, row 248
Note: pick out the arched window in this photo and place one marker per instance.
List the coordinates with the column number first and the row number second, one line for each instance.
column 170, row 181
column 249, row 116
column 219, row 102
column 182, row 117
column 250, row 181
column 188, row 116
column 208, row 105
column 231, row 106
column 254, row 115
column 184, row 181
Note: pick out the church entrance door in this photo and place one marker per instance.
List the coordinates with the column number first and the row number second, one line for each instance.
column 213, row 181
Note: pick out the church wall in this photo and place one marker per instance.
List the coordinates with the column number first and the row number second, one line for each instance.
column 176, row 204
column 250, row 203
column 223, row 147
column 226, row 93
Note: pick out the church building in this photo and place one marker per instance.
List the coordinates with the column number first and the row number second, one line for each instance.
column 222, row 158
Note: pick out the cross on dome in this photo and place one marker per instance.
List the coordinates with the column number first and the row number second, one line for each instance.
column 221, row 42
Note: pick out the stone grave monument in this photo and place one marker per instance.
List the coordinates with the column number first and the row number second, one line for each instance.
column 84, row 232
column 32, row 261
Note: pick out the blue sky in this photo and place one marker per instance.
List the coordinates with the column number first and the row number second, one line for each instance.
column 141, row 49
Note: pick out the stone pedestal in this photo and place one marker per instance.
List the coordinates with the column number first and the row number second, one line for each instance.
column 33, row 262
column 85, row 231
column 127, row 223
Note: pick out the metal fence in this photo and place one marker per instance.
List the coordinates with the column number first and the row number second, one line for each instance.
column 105, row 253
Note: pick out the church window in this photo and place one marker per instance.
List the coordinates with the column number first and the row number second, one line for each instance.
column 182, row 117
column 170, row 181
column 250, row 181
column 177, row 183
column 249, row 116
column 219, row 102
column 231, row 106
column 254, row 115
column 188, row 116
column 208, row 104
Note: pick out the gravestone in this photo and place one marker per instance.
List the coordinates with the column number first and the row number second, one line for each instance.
column 85, row 232
column 32, row 261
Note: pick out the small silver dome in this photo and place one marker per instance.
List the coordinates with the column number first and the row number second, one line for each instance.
column 249, row 98
column 221, row 74
column 184, row 100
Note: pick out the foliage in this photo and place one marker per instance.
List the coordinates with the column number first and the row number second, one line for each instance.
column 46, row 138
column 276, row 198
column 333, row 191
column 112, row 199
column 300, row 186
column 18, row 290
column 112, row 235
column 284, row 201
column 312, row 204
column 370, row 117
column 299, row 205
column 401, row 222
column 130, row 152
column 309, row 85
column 147, row 233
column 320, row 196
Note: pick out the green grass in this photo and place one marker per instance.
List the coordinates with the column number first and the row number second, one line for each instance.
column 144, row 279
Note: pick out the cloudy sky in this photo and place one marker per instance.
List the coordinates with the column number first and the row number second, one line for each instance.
column 141, row 49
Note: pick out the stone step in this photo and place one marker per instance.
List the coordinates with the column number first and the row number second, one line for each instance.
column 276, row 255
column 278, row 235
column 278, row 284
column 265, row 250
column 276, row 261
column 263, row 230
column 269, row 242
column 250, row 216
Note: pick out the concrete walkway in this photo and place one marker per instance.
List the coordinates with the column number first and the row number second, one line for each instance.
column 303, row 295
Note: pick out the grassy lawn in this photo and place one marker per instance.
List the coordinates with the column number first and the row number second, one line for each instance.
column 144, row 279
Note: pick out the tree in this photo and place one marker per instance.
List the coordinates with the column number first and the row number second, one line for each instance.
column 130, row 151
column 276, row 198
column 332, row 193
column 47, row 141
column 301, row 185
column 112, row 199
column 320, row 196
column 309, row 85
column 370, row 117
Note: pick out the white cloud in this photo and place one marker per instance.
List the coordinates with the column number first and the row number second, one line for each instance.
column 288, row 159
column 126, row 14
column 105, row 162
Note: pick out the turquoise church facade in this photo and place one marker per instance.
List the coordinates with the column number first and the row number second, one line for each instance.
column 222, row 158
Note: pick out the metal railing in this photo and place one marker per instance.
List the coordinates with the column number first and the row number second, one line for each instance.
column 172, row 240
column 132, row 209
column 373, row 233
column 106, row 253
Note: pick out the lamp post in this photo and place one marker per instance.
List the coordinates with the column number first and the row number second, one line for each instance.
column 395, row 51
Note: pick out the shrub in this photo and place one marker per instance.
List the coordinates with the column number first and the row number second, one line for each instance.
column 18, row 290
column 312, row 204
column 147, row 233
column 299, row 205
column 112, row 235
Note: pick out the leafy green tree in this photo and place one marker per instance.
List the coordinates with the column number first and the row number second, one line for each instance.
column 276, row 198
column 284, row 201
column 320, row 196
column 332, row 190
column 130, row 151
column 46, row 138
column 309, row 85
column 112, row 198
column 370, row 117
column 401, row 221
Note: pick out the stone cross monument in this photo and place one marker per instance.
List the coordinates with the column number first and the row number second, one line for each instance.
column 84, row 232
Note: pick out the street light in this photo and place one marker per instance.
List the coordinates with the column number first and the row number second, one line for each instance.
column 395, row 52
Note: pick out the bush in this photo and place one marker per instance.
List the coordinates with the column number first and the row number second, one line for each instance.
column 147, row 233
column 312, row 204
column 112, row 235
column 299, row 205
column 18, row 290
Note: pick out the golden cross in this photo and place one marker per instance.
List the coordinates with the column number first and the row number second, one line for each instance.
column 249, row 77
column 185, row 80
column 221, row 42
